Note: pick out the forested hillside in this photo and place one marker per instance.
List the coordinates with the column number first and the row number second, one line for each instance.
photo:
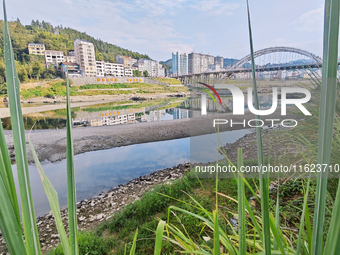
column 54, row 38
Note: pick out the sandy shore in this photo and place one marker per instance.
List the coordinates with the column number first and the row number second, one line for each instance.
column 50, row 104
column 51, row 144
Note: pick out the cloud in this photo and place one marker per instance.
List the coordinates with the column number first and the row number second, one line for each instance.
column 159, row 7
column 215, row 7
column 311, row 20
column 131, row 25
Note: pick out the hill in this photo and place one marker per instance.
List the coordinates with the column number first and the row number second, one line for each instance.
column 229, row 62
column 167, row 64
column 54, row 38
column 58, row 38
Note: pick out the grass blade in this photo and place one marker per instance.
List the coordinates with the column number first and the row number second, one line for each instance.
column 304, row 214
column 159, row 237
column 7, row 174
column 263, row 181
column 277, row 216
column 29, row 221
column 241, row 207
column 133, row 248
column 71, row 180
column 216, row 234
column 9, row 224
column 52, row 196
column 326, row 123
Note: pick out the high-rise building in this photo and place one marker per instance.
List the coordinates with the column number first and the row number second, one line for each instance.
column 179, row 63
column 85, row 57
column 199, row 63
column 153, row 67
column 218, row 61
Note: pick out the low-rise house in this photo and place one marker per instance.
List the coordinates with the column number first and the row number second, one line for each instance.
column 72, row 68
column 109, row 69
column 36, row 49
column 53, row 57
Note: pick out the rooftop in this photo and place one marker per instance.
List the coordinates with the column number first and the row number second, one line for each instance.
column 54, row 51
column 69, row 63
column 78, row 41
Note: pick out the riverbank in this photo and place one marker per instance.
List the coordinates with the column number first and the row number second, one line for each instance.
column 97, row 209
column 101, row 208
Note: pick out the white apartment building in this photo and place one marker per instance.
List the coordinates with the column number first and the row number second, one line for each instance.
column 199, row 63
column 128, row 72
column 70, row 59
column 140, row 66
column 53, row 57
column 109, row 69
column 85, row 57
column 153, row 67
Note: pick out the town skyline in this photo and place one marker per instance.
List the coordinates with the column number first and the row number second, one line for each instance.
column 158, row 28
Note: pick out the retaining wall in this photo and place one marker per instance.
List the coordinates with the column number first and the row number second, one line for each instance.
column 78, row 81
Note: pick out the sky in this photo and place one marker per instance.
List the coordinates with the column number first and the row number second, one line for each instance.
column 159, row 27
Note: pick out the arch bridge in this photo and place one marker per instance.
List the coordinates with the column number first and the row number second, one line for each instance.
column 218, row 76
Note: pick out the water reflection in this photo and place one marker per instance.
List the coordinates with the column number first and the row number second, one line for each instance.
column 265, row 102
column 101, row 115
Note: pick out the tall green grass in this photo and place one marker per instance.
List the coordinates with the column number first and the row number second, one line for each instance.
column 10, row 223
column 326, row 119
column 264, row 234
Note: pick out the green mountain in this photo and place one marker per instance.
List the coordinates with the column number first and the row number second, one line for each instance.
column 58, row 38
column 229, row 62
column 167, row 64
column 54, row 38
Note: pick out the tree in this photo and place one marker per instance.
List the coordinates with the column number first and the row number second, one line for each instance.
column 137, row 73
column 3, row 89
column 146, row 74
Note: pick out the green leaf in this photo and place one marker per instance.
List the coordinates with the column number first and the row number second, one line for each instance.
column 71, row 179
column 29, row 221
column 302, row 221
column 263, row 181
column 52, row 196
column 277, row 213
column 159, row 237
column 326, row 123
column 9, row 224
column 133, row 248
column 7, row 174
column 241, row 206
column 216, row 234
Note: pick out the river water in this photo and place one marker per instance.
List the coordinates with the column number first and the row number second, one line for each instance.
column 99, row 171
